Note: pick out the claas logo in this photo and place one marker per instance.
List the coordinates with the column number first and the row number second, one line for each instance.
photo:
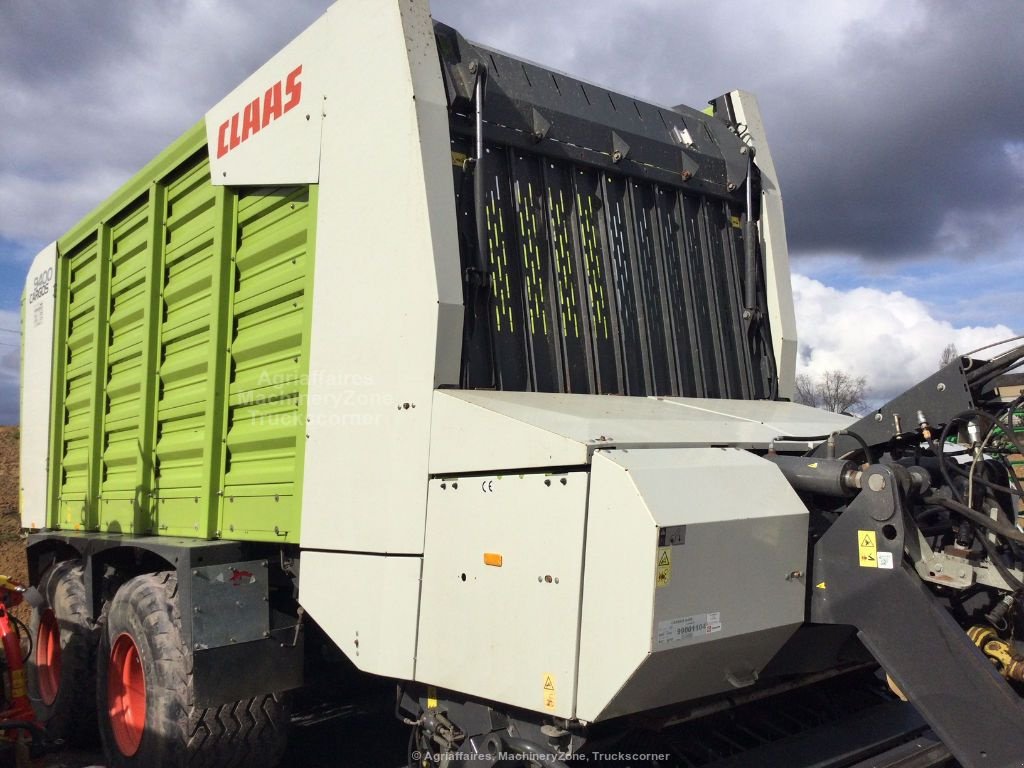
column 279, row 99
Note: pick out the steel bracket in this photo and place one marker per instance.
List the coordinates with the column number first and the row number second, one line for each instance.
column 954, row 687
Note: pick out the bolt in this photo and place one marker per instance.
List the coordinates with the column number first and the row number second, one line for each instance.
column 547, row 481
column 878, row 417
column 266, row 634
column 616, row 156
column 731, row 187
column 876, row 483
column 687, row 175
column 196, row 646
column 473, row 67
column 195, row 571
column 795, row 575
column 743, row 150
column 940, row 387
column 938, row 567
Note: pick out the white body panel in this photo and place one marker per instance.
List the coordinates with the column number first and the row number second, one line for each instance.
column 506, row 633
column 387, row 301
column 773, row 243
column 36, row 371
column 638, row 649
column 574, row 622
column 285, row 100
column 367, row 604
column 487, row 431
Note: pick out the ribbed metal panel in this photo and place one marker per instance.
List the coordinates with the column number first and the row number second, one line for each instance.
column 603, row 283
column 185, row 336
column 266, row 425
column 76, row 414
column 182, row 361
column 124, row 375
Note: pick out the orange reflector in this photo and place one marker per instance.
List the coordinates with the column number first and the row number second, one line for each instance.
column 492, row 558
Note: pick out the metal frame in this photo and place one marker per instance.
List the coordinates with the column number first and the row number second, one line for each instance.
column 222, row 672
column 954, row 687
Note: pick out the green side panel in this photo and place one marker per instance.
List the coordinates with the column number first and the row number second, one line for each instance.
column 119, row 453
column 188, row 352
column 181, row 357
column 269, row 365
column 80, row 375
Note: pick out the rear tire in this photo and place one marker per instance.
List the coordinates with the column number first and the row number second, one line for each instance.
column 60, row 669
column 148, row 717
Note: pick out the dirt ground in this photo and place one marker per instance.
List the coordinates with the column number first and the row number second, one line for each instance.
column 12, row 544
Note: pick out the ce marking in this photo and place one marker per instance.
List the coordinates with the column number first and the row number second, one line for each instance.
column 487, row 486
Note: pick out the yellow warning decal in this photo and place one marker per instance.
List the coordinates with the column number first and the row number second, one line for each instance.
column 549, row 692
column 459, row 159
column 431, row 697
column 868, row 548
column 820, row 586
column 735, row 221
column 813, row 466
column 664, row 575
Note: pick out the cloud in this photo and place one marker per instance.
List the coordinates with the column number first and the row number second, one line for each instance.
column 94, row 90
column 890, row 338
column 889, row 121
column 892, row 123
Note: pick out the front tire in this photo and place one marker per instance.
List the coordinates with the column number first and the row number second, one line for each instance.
column 60, row 669
column 148, row 717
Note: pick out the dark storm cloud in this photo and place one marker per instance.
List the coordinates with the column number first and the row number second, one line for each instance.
column 889, row 122
column 94, row 89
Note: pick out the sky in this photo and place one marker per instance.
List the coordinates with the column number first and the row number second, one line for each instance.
column 896, row 128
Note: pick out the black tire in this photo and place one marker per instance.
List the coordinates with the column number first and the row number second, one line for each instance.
column 62, row 694
column 176, row 733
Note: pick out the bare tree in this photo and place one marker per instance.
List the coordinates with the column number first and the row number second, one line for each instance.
column 836, row 391
column 949, row 354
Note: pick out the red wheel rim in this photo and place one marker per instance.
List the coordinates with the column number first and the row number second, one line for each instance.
column 126, row 695
column 48, row 657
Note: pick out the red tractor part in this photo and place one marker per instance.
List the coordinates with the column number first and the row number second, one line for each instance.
column 126, row 694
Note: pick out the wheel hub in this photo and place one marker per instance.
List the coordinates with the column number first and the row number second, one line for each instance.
column 48, row 657
column 126, row 694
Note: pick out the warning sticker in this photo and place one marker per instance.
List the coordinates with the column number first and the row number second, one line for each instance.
column 664, row 573
column 548, row 692
column 688, row 628
column 868, row 549
column 885, row 560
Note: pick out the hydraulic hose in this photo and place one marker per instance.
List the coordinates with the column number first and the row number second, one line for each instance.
column 978, row 518
column 479, row 180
